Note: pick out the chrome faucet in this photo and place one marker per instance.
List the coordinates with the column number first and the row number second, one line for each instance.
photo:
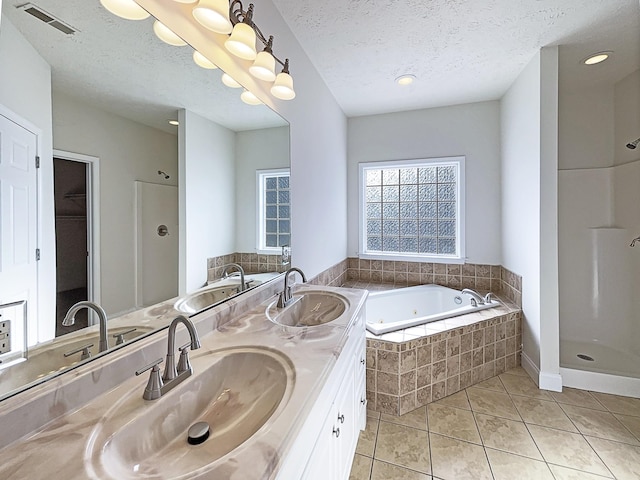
column 476, row 298
column 70, row 319
column 158, row 386
column 285, row 296
column 225, row 273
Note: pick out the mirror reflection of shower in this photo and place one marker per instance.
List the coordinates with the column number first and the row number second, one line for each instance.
column 634, row 144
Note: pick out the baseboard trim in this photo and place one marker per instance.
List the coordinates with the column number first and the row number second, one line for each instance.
column 544, row 380
column 530, row 367
column 601, row 382
column 550, row 381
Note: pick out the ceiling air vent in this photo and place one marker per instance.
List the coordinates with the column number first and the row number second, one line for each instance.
column 47, row 18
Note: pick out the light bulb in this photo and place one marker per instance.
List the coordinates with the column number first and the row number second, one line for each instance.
column 264, row 67
column 283, row 87
column 229, row 81
column 242, row 42
column 127, row 9
column 203, row 61
column 249, row 98
column 165, row 34
column 213, row 15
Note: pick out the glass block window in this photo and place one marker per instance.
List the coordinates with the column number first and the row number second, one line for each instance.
column 274, row 209
column 412, row 208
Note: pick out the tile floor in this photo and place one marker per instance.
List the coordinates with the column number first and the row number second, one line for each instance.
column 505, row 429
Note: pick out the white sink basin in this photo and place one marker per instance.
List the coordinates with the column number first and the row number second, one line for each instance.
column 239, row 392
column 48, row 358
column 309, row 309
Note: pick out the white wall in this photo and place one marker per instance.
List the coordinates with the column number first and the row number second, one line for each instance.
column 255, row 150
column 627, row 117
column 207, row 196
column 529, row 206
column 318, row 135
column 586, row 128
column 128, row 151
column 520, row 116
column 25, row 89
column 472, row 130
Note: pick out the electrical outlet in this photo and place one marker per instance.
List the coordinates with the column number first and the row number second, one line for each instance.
column 5, row 336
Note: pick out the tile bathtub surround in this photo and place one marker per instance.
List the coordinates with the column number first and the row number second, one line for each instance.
column 417, row 366
column 483, row 278
column 250, row 263
column 501, row 429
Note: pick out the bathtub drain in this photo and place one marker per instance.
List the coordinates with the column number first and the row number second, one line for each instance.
column 582, row 356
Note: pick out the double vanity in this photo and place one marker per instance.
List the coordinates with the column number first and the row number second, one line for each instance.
column 274, row 393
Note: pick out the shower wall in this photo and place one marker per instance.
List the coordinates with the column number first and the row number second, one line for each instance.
column 599, row 215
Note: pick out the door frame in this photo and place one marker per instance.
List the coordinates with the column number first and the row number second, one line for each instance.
column 93, row 219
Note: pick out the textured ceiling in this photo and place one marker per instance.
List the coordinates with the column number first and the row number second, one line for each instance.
column 460, row 50
column 121, row 67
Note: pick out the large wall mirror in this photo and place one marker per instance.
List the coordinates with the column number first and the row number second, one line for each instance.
column 142, row 213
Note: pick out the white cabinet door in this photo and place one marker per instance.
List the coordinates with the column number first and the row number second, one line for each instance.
column 322, row 464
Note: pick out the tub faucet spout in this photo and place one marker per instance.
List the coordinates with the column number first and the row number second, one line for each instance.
column 476, row 298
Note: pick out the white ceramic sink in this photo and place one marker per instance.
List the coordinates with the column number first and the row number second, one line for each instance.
column 202, row 299
column 48, row 358
column 309, row 309
column 238, row 393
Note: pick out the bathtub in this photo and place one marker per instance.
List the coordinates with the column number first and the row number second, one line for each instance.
column 391, row 310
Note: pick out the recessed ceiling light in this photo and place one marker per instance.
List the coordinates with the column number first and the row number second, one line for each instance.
column 596, row 58
column 406, row 79
column 174, row 122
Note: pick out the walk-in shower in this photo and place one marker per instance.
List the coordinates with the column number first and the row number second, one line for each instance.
column 599, row 234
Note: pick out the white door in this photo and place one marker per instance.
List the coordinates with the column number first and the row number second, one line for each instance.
column 18, row 224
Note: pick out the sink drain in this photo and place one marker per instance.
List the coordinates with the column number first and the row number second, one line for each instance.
column 198, row 433
column 582, row 356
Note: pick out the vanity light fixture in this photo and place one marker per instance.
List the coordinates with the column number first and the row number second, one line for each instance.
column 213, row 15
column 127, row 9
column 597, row 58
column 283, row 86
column 404, row 80
column 264, row 67
column 203, row 61
column 249, row 98
column 165, row 34
column 224, row 17
column 261, row 68
column 229, row 81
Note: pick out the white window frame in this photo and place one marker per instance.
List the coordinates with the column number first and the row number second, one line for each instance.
column 460, row 210
column 260, row 217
